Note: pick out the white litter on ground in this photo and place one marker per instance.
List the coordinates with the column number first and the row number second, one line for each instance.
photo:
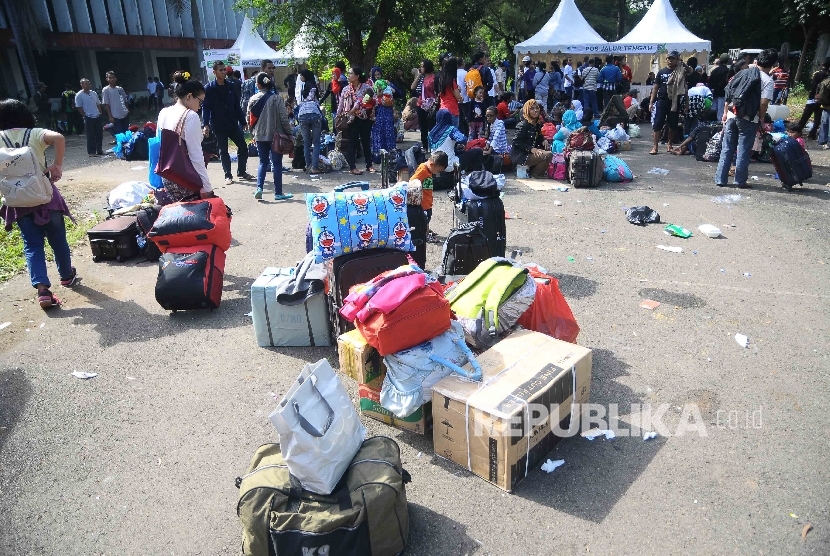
column 83, row 375
column 742, row 340
column 658, row 171
column 4, row 325
column 550, row 465
column 669, row 248
column 649, row 436
column 596, row 433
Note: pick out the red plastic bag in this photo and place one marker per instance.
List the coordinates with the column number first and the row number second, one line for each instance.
column 550, row 313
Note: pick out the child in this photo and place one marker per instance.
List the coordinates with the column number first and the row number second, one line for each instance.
column 396, row 116
column 436, row 164
column 42, row 222
column 477, row 114
column 794, row 131
column 410, row 115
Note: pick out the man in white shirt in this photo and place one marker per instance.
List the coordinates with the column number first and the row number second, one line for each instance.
column 114, row 99
column 501, row 79
column 464, row 106
column 739, row 132
column 152, row 100
column 568, row 72
column 87, row 104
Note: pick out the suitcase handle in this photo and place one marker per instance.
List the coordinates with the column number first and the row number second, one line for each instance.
column 363, row 185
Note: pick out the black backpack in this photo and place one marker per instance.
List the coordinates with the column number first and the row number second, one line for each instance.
column 744, row 93
column 483, row 184
column 464, row 249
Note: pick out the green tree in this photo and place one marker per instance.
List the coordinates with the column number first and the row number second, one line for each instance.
column 813, row 16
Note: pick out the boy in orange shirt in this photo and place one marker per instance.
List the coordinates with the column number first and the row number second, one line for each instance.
column 436, row 164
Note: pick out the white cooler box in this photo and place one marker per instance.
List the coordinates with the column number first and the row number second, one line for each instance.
column 289, row 308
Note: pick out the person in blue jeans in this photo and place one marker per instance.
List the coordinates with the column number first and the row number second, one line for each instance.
column 223, row 114
column 267, row 115
column 311, row 120
column 44, row 222
column 739, row 133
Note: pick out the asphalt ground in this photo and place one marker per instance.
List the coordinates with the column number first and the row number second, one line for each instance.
column 142, row 458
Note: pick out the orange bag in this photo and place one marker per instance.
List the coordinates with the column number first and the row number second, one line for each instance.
column 550, row 313
column 422, row 316
column 202, row 222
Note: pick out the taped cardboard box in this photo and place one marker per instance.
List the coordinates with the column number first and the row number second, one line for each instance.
column 359, row 360
column 419, row 422
column 484, row 426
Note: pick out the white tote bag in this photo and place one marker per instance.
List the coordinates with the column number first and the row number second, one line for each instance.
column 320, row 431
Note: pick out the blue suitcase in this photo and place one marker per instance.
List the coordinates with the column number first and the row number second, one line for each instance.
column 791, row 162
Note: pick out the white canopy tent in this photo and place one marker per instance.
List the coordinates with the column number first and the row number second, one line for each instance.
column 252, row 49
column 296, row 51
column 660, row 31
column 566, row 31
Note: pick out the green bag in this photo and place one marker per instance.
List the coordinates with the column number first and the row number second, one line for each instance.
column 367, row 513
column 491, row 299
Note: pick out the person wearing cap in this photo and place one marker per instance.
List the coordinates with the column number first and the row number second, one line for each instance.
column 526, row 61
column 669, row 88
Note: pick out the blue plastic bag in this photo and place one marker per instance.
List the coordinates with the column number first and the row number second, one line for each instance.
column 120, row 140
column 345, row 222
column 154, row 144
column 616, row 170
column 779, row 126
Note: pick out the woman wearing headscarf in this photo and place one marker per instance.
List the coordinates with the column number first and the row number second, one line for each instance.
column 358, row 101
column 444, row 136
column 383, row 130
column 577, row 108
column 530, row 148
column 311, row 121
column 334, row 87
column 570, row 123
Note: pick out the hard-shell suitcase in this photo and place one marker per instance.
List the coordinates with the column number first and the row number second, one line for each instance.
column 367, row 514
column 114, row 239
column 356, row 268
column 585, row 169
column 190, row 278
column 464, row 248
column 418, row 228
column 490, row 214
column 791, row 162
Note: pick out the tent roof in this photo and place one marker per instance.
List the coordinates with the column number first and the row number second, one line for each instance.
column 661, row 25
column 251, row 47
column 297, row 49
column 565, row 27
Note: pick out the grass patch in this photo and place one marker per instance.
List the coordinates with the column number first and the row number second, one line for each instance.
column 12, row 259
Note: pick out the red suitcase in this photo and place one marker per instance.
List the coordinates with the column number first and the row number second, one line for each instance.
column 202, row 222
column 190, row 278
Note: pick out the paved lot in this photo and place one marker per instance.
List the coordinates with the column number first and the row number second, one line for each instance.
column 141, row 459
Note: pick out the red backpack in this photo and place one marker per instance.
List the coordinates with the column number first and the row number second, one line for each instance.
column 580, row 140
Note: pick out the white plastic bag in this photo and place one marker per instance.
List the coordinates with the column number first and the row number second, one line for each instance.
column 633, row 131
column 128, row 194
column 320, row 431
column 617, row 134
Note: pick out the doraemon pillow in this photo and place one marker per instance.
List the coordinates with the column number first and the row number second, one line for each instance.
column 345, row 222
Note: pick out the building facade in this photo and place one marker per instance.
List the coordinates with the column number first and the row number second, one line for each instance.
column 135, row 38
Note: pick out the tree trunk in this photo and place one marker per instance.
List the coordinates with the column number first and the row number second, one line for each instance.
column 808, row 36
column 24, row 49
column 197, row 36
column 622, row 12
column 822, row 50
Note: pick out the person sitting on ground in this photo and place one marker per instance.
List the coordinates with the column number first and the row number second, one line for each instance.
column 650, row 79
column 570, row 123
column 189, row 94
column 496, row 146
column 632, row 105
column 45, row 221
column 444, row 136
column 503, row 109
column 576, row 106
column 530, row 148
column 410, row 115
column 426, row 172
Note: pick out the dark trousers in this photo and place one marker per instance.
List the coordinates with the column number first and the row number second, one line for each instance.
column 120, row 125
column 74, row 123
column 238, row 138
column 425, row 127
column 360, row 130
column 94, row 135
column 269, row 159
column 464, row 112
column 815, row 111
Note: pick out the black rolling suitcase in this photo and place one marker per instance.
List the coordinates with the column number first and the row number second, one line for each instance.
column 791, row 162
column 490, row 214
column 356, row 268
column 114, row 239
column 418, row 228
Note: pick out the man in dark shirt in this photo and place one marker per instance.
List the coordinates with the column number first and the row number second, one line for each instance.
column 290, row 83
column 813, row 106
column 222, row 113
column 667, row 111
column 717, row 82
column 44, row 106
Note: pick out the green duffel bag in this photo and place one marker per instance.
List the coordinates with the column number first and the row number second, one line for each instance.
column 366, row 514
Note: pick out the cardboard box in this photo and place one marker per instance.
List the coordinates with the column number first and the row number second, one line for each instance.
column 419, row 422
column 504, row 445
column 359, row 360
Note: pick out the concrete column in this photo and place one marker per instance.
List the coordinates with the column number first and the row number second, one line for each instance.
column 88, row 67
column 12, row 80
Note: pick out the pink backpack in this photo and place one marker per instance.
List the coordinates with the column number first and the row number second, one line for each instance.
column 557, row 167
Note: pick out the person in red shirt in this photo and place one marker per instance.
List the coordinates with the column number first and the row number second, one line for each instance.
column 627, row 74
column 504, row 113
column 446, row 89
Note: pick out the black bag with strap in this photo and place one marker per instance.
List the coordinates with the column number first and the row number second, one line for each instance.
column 464, row 248
column 744, row 93
column 367, row 513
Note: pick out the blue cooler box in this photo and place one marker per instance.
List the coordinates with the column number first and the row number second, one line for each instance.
column 302, row 322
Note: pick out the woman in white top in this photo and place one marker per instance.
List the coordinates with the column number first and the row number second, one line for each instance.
column 189, row 94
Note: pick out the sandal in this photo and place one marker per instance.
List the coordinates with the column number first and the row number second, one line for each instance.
column 653, row 151
column 69, row 282
column 357, row 172
column 47, row 299
column 371, row 170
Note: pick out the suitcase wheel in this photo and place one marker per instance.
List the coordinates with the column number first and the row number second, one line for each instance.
column 119, row 259
column 96, row 259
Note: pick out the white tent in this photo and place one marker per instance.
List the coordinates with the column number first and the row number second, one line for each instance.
column 659, row 31
column 251, row 47
column 565, row 30
column 297, row 50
